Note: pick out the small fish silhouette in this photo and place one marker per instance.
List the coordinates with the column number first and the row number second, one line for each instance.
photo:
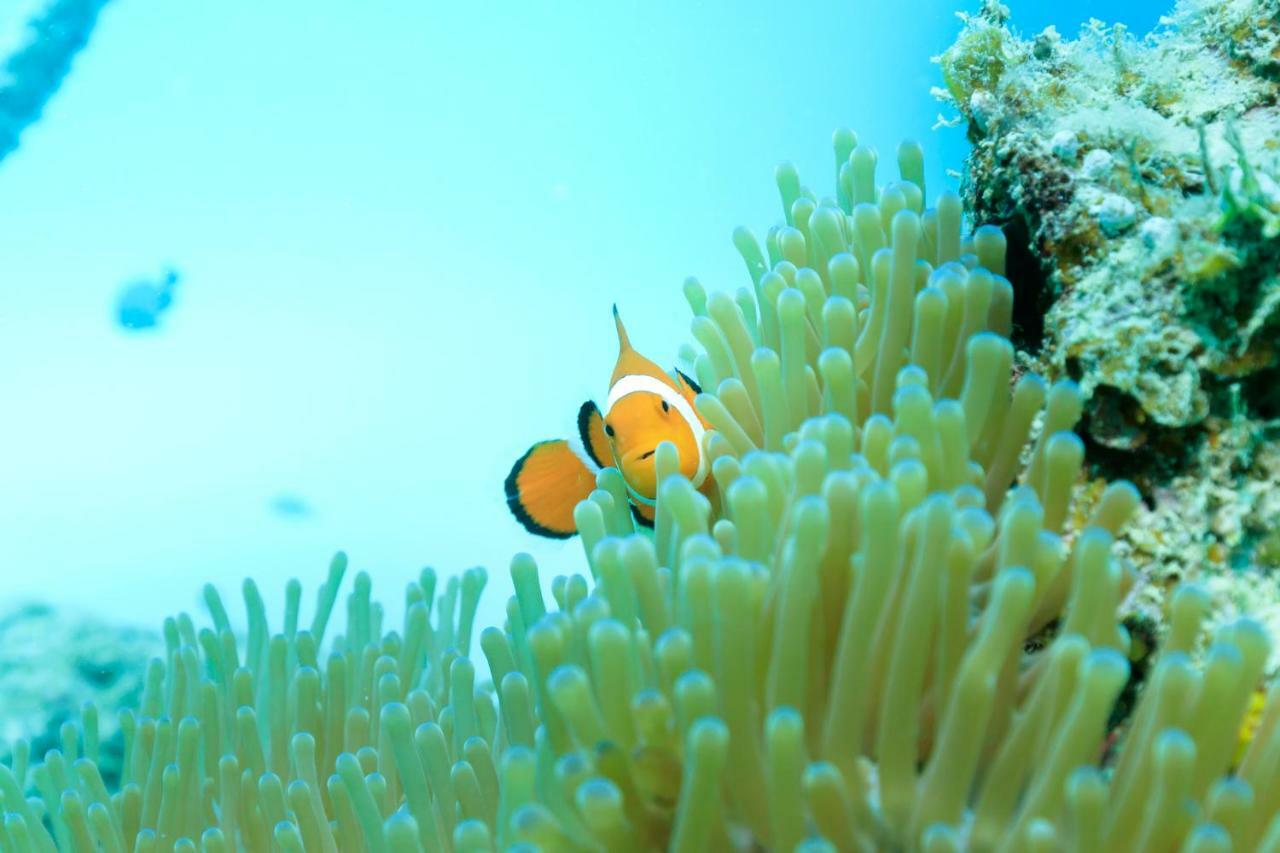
column 142, row 302
column 288, row 505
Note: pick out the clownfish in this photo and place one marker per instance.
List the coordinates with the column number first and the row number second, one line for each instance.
column 645, row 406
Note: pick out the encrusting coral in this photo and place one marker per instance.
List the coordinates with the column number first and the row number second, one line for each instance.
column 1138, row 181
column 830, row 653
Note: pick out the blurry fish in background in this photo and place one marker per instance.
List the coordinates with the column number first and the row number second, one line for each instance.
column 288, row 505
column 33, row 72
column 142, row 303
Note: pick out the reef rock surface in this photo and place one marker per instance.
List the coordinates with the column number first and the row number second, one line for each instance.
column 52, row 663
column 1138, row 182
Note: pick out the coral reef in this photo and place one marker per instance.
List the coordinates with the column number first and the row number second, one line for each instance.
column 1137, row 182
column 32, row 74
column 54, row 665
column 892, row 626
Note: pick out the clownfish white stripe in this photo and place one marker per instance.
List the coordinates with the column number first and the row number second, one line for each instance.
column 635, row 383
column 580, row 450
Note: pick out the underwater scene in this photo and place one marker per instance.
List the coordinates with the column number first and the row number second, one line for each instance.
column 637, row 427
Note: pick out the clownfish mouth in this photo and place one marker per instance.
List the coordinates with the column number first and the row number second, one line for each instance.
column 646, row 455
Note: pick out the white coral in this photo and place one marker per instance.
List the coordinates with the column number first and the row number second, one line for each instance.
column 1065, row 146
column 1160, row 235
column 1115, row 213
column 1097, row 164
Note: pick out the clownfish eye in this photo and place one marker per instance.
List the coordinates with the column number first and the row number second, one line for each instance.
column 665, row 407
column 608, row 430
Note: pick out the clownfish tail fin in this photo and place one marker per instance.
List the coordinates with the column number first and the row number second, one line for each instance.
column 544, row 487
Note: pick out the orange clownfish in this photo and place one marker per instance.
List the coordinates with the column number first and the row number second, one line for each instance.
column 645, row 407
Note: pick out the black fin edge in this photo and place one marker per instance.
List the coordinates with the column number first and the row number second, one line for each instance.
column 584, row 430
column 517, row 509
column 640, row 519
column 697, row 389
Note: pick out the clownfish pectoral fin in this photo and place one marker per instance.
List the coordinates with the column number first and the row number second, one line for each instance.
column 595, row 443
column 545, row 485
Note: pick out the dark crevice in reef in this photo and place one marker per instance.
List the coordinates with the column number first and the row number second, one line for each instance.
column 1026, row 191
column 1249, row 401
column 1032, row 295
column 1262, row 390
column 1222, row 307
column 1143, row 635
column 1120, row 443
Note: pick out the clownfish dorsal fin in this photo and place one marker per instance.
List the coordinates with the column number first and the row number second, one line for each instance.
column 624, row 343
column 631, row 362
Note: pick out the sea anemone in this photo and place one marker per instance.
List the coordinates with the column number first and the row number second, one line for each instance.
column 891, row 626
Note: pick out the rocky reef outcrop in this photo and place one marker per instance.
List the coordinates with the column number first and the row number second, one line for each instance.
column 1138, row 183
column 52, row 663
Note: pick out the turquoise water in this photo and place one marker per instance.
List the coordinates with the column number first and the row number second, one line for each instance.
column 398, row 228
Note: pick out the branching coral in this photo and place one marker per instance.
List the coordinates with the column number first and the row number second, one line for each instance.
column 32, row 74
column 828, row 653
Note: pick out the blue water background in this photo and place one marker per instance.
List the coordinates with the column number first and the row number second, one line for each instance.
column 399, row 227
